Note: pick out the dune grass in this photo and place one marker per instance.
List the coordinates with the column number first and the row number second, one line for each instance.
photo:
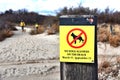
column 40, row 30
column 104, row 35
column 5, row 33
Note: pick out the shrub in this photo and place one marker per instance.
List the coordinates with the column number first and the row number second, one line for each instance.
column 53, row 29
column 104, row 66
column 103, row 35
column 55, row 26
column 102, row 38
column 40, row 30
column 7, row 25
column 104, row 25
column 50, row 31
column 33, row 32
column 118, row 59
column 1, row 37
column 5, row 33
column 114, row 40
column 11, row 26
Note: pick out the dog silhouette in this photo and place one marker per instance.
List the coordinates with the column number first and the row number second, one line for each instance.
column 79, row 38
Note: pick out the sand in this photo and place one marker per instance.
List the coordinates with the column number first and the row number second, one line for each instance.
column 30, row 57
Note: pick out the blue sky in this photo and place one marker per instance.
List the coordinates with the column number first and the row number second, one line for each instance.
column 49, row 7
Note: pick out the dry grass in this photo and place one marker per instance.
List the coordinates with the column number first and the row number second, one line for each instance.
column 118, row 59
column 109, row 65
column 1, row 37
column 104, row 63
column 114, row 40
column 117, row 28
column 103, row 66
column 11, row 26
column 5, row 33
column 40, row 30
column 51, row 31
column 54, row 29
column 33, row 32
column 6, row 29
column 104, row 35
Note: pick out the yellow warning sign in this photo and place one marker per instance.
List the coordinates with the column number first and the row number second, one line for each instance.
column 77, row 44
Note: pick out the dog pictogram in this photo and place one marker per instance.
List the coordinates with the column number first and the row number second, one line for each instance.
column 78, row 38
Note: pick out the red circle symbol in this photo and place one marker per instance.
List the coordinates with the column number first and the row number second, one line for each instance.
column 76, row 37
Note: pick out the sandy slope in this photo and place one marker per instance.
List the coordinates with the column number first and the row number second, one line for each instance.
column 106, row 49
column 110, row 54
column 107, row 52
column 29, row 55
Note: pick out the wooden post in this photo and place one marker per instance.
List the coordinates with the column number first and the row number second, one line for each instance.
column 111, row 29
column 81, row 71
column 75, row 71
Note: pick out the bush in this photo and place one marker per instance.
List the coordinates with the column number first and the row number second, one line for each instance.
column 40, row 30
column 103, row 35
column 114, row 40
column 118, row 59
column 50, row 31
column 5, row 33
column 53, row 29
column 33, row 32
column 9, row 25
column 1, row 37
column 102, row 38
column 104, row 66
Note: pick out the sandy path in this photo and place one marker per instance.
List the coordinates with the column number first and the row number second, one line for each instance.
column 25, row 55
column 36, row 57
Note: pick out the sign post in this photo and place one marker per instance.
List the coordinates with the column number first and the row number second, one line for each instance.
column 78, row 47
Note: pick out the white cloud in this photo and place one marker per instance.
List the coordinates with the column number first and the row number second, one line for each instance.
column 37, row 5
column 52, row 5
column 14, row 4
column 56, row 4
column 102, row 4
